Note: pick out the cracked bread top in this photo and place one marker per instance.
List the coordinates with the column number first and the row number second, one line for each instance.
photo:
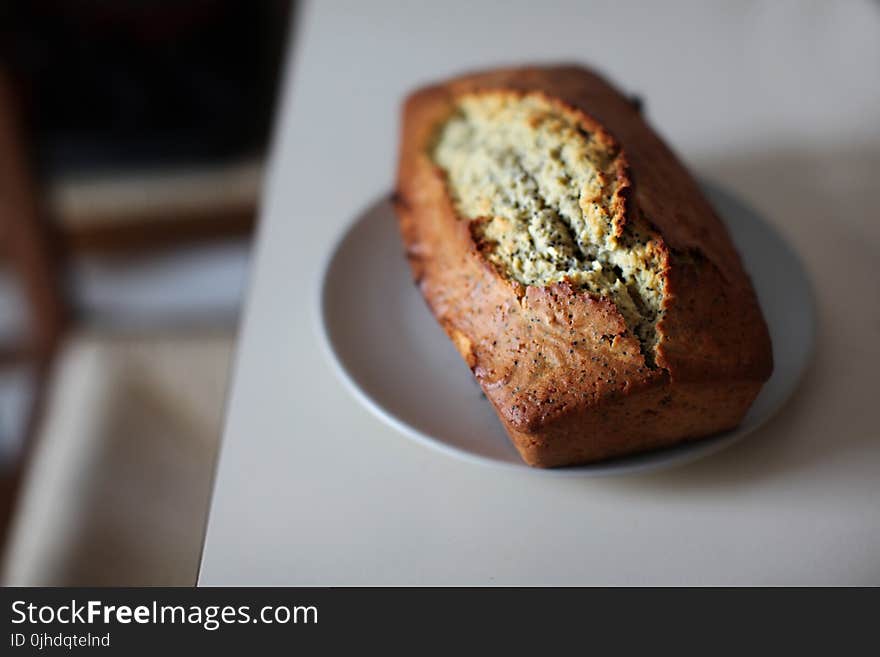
column 543, row 195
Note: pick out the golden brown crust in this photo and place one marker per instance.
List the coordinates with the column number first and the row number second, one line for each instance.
column 567, row 379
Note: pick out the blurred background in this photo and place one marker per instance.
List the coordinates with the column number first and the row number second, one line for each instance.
column 133, row 135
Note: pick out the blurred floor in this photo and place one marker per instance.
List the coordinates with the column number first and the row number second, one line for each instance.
column 119, row 482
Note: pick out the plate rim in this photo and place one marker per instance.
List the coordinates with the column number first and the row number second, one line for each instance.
column 654, row 460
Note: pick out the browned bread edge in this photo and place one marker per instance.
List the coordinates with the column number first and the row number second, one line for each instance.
column 568, row 382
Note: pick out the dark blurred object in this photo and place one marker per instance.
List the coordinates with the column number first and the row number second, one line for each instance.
column 112, row 83
column 146, row 95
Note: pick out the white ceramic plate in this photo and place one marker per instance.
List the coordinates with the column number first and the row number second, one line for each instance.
column 388, row 349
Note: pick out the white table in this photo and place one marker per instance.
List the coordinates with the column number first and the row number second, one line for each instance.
column 778, row 101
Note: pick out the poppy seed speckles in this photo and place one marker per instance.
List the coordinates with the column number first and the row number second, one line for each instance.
column 544, row 195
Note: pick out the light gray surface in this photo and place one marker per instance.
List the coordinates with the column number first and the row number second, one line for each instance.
column 383, row 353
column 773, row 100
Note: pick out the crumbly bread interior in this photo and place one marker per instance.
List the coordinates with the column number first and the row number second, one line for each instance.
column 543, row 189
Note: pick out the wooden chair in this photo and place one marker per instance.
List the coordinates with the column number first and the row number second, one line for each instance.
column 28, row 246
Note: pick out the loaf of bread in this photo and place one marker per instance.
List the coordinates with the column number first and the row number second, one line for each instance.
column 576, row 266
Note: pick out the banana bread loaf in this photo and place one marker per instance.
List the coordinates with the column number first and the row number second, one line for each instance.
column 576, row 266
